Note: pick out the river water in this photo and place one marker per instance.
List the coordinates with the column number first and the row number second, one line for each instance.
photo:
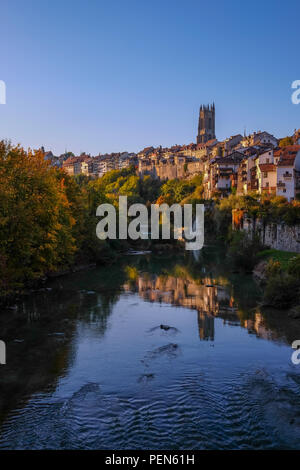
column 164, row 352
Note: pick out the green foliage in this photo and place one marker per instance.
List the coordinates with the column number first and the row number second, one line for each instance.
column 267, row 207
column 282, row 287
column 294, row 266
column 278, row 209
column 282, row 291
column 183, row 191
column 283, row 257
column 282, row 278
column 36, row 216
column 176, row 190
column 125, row 182
column 273, row 268
column 149, row 189
column 243, row 250
column 219, row 222
column 112, row 176
column 82, row 180
column 47, row 218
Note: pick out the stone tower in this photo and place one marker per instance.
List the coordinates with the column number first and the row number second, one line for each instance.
column 206, row 125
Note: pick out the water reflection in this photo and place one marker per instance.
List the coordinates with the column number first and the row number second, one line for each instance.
column 53, row 331
column 230, row 296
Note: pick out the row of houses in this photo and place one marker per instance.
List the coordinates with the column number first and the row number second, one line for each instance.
column 99, row 165
column 263, row 169
column 238, row 164
column 187, row 160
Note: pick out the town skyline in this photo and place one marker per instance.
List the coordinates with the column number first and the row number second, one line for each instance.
column 245, row 132
column 82, row 150
column 109, row 77
column 175, row 144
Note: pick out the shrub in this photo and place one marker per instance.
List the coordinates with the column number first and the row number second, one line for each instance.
column 282, row 291
column 243, row 250
column 273, row 268
column 294, row 266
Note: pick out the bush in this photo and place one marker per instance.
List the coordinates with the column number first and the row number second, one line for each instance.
column 294, row 266
column 243, row 250
column 273, row 268
column 282, row 291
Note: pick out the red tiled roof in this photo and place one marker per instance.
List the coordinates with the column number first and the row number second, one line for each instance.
column 69, row 161
column 207, row 144
column 287, row 161
column 267, row 167
column 291, row 149
column 288, row 155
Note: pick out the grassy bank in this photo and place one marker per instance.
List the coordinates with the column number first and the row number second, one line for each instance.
column 280, row 276
column 283, row 257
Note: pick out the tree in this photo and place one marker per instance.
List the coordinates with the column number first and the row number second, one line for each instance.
column 35, row 215
column 286, row 141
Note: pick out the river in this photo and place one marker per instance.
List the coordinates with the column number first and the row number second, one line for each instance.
column 157, row 352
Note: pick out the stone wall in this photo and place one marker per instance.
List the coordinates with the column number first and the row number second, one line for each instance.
column 279, row 236
column 169, row 170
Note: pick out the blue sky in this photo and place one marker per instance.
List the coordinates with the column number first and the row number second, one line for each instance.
column 102, row 76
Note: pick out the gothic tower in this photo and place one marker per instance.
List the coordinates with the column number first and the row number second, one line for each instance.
column 206, row 125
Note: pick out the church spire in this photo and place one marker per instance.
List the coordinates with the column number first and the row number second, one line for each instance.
column 206, row 123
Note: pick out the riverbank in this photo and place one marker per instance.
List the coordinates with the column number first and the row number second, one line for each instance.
column 278, row 272
column 114, row 254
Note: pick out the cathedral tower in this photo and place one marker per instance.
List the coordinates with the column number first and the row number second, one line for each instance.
column 206, row 125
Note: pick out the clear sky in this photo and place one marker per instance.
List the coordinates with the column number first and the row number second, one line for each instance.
column 114, row 75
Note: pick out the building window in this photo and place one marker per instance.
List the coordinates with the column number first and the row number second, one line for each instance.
column 265, row 174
